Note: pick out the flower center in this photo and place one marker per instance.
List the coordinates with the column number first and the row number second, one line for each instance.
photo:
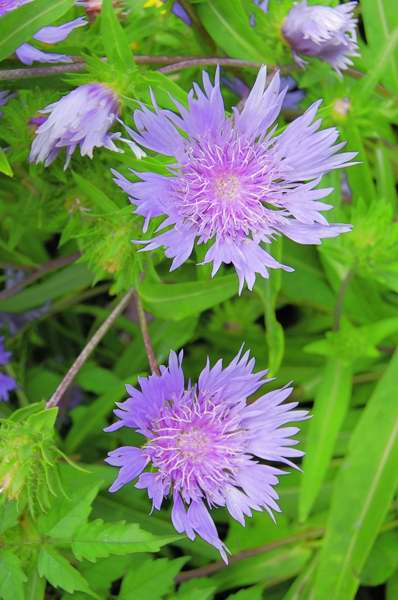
column 227, row 187
column 220, row 190
column 193, row 444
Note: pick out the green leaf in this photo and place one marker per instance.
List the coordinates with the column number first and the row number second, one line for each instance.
column 228, row 24
column 330, row 408
column 12, row 577
column 59, row 572
column 178, row 300
column 98, row 540
column 89, row 419
column 98, row 199
column 4, row 164
column 381, row 20
column 165, row 87
column 8, row 514
column 392, row 587
column 151, row 579
column 114, row 37
column 302, row 584
column 268, row 290
column 18, row 26
column 253, row 593
column 382, row 562
column 277, row 565
column 69, row 514
column 200, row 588
column 70, row 279
column 384, row 58
column 363, row 490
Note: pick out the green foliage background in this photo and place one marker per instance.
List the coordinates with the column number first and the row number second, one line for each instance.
column 62, row 534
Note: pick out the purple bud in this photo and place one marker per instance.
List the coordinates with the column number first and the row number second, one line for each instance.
column 81, row 118
column 328, row 33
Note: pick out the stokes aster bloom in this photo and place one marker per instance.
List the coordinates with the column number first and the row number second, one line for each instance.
column 28, row 54
column 234, row 182
column 7, row 384
column 326, row 32
column 203, row 443
column 81, row 118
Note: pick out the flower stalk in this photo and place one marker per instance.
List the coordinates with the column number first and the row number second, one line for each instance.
column 87, row 350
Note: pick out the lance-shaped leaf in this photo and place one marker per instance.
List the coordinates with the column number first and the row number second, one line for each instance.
column 363, row 490
column 179, row 300
column 114, row 37
column 330, row 407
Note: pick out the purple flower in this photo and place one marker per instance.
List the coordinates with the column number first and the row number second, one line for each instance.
column 5, row 96
column 204, row 442
column 235, row 182
column 9, row 5
column 28, row 54
column 81, row 118
column 7, row 384
column 323, row 31
column 180, row 12
column 4, row 356
column 290, row 101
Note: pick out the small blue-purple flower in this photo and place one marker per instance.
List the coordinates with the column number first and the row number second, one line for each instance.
column 326, row 32
column 7, row 383
column 180, row 12
column 234, row 183
column 27, row 53
column 4, row 98
column 81, row 118
column 204, row 443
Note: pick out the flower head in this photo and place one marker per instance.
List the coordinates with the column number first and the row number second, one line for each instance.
column 27, row 53
column 81, row 118
column 204, row 442
column 233, row 181
column 323, row 31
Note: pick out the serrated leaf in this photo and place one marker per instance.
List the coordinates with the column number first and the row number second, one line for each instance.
column 60, row 573
column 179, row 300
column 69, row 514
column 114, row 37
column 98, row 540
column 151, row 579
column 18, row 26
column 12, row 576
column 363, row 490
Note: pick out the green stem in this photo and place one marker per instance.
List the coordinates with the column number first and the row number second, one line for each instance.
column 338, row 310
